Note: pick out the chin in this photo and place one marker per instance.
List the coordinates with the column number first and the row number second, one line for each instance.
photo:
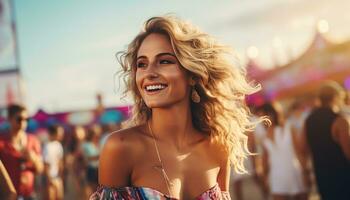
column 163, row 103
column 158, row 104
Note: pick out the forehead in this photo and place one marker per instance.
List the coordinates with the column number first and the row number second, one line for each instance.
column 154, row 44
column 21, row 113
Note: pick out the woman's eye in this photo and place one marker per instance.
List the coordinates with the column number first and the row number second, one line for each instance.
column 141, row 64
column 166, row 62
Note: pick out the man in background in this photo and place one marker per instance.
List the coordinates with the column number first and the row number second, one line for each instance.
column 327, row 136
column 20, row 152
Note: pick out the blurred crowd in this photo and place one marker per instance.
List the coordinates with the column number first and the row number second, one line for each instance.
column 62, row 164
column 304, row 152
column 303, row 149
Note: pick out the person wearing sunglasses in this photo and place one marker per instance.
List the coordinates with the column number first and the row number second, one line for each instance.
column 20, row 152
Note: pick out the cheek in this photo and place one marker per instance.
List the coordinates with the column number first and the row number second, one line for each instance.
column 13, row 124
column 138, row 81
column 179, row 79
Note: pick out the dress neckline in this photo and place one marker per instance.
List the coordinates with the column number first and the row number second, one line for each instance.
column 215, row 187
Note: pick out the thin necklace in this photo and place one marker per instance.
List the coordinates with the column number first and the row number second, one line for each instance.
column 161, row 167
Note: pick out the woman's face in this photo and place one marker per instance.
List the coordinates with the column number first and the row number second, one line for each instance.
column 160, row 79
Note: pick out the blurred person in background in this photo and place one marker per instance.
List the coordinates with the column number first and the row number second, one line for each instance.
column 53, row 159
column 239, row 179
column 21, row 152
column 7, row 190
column 75, row 164
column 326, row 138
column 298, row 113
column 91, row 153
column 107, row 129
column 281, row 165
column 259, row 135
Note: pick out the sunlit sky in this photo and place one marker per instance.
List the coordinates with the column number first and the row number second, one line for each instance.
column 67, row 48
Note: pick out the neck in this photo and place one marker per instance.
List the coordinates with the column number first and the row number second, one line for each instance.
column 332, row 106
column 173, row 125
column 16, row 135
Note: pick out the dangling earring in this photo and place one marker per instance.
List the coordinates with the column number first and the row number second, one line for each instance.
column 195, row 96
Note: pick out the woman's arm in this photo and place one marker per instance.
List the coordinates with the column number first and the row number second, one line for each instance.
column 224, row 175
column 115, row 162
column 302, row 153
column 33, row 154
column 224, row 179
column 303, row 149
column 298, row 142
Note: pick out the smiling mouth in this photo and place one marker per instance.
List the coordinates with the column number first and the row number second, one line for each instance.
column 155, row 88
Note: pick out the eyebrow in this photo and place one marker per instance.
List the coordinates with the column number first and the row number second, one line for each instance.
column 159, row 55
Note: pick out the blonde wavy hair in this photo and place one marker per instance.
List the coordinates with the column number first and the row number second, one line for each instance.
column 221, row 85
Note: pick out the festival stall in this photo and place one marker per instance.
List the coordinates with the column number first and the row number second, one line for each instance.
column 322, row 60
column 42, row 119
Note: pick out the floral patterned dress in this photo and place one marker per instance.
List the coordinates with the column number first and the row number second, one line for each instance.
column 144, row 193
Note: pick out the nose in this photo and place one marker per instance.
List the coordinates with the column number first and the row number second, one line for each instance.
column 152, row 75
column 151, row 71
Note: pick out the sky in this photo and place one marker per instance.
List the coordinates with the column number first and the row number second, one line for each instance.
column 67, row 48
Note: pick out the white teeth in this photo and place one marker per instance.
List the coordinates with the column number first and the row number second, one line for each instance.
column 155, row 87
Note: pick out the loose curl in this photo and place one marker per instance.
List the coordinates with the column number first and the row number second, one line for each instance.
column 221, row 113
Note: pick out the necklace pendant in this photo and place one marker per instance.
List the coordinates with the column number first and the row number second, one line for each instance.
column 158, row 167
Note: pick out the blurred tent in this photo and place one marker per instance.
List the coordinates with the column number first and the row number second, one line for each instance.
column 42, row 119
column 322, row 60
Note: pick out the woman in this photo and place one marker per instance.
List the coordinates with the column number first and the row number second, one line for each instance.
column 90, row 150
column 188, row 119
column 281, row 164
column 75, row 164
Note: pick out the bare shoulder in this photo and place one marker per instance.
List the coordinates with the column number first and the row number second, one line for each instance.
column 121, row 139
column 217, row 151
column 341, row 124
column 341, row 134
column 118, row 156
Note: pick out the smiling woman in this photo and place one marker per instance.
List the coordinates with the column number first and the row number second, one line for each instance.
column 188, row 120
